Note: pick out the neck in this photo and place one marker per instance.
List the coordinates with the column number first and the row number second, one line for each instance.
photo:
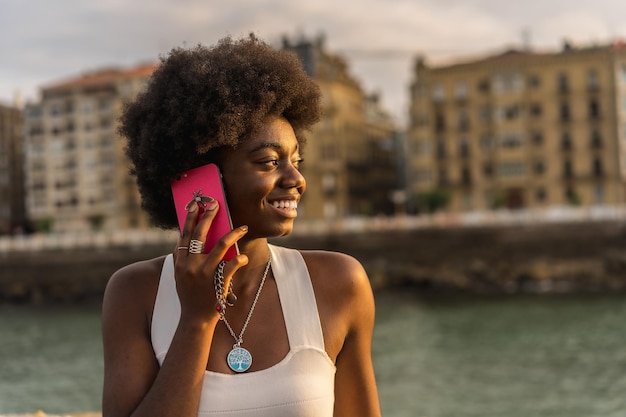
column 248, row 277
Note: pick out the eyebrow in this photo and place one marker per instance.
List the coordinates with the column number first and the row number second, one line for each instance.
column 270, row 145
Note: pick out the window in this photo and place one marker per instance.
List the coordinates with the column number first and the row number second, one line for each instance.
column 463, row 120
column 440, row 122
column 598, row 170
column 536, row 110
column 598, row 194
column 508, row 82
column 534, row 82
column 539, row 167
column 485, row 113
column 55, row 109
column 596, row 139
column 487, row 142
column 568, row 170
column 566, row 141
column 511, row 140
column 468, row 201
column 488, row 169
column 87, row 107
column 509, row 112
column 443, row 177
column 466, row 176
column 540, row 195
column 512, row 169
column 330, row 209
column 563, row 83
column 594, row 109
column 564, row 112
column 329, row 183
column 438, row 92
column 464, row 150
column 483, row 86
column 593, row 83
column 537, row 138
column 571, row 196
column 441, row 149
column 460, row 91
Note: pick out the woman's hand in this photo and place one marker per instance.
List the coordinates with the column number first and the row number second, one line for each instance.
column 194, row 271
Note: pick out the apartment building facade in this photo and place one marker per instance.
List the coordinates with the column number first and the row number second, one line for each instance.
column 77, row 174
column 13, row 219
column 521, row 129
column 351, row 154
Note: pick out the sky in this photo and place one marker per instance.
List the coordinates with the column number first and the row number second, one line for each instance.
column 43, row 41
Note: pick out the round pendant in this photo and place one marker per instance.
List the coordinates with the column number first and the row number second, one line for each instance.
column 239, row 359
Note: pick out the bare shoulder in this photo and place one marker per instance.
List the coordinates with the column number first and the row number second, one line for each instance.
column 337, row 263
column 338, row 278
column 134, row 285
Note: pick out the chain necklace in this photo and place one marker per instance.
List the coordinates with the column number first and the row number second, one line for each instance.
column 239, row 359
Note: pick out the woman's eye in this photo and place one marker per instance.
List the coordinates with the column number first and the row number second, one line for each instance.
column 298, row 162
column 271, row 163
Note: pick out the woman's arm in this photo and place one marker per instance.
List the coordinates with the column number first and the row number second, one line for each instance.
column 355, row 384
column 134, row 384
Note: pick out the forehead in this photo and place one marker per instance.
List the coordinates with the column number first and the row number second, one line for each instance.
column 276, row 134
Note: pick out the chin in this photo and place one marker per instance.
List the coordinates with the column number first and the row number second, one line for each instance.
column 284, row 230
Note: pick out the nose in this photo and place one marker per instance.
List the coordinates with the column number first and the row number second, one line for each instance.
column 293, row 178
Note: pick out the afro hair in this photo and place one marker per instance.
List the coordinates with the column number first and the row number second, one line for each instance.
column 203, row 99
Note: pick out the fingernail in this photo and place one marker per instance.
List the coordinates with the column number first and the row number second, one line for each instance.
column 193, row 207
column 212, row 205
column 244, row 229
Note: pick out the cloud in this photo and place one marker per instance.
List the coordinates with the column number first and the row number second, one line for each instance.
column 44, row 40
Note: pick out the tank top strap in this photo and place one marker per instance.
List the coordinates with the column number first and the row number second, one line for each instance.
column 166, row 312
column 297, row 298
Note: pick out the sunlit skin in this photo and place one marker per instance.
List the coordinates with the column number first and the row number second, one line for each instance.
column 262, row 182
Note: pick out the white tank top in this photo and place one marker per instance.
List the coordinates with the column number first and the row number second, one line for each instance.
column 300, row 385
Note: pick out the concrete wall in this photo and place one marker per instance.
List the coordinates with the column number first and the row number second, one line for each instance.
column 505, row 259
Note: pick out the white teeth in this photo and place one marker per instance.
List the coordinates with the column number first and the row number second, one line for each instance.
column 285, row 204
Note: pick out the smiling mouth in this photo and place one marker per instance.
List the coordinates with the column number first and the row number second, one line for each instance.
column 285, row 204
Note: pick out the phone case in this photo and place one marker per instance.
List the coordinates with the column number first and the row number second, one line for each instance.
column 204, row 181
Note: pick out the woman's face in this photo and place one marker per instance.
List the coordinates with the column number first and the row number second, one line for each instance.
column 262, row 181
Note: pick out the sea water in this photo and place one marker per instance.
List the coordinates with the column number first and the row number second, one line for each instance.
column 461, row 356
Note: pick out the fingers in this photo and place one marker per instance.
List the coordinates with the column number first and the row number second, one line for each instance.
column 209, row 211
column 197, row 219
column 196, row 230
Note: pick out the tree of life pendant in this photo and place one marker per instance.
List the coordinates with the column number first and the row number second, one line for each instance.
column 239, row 359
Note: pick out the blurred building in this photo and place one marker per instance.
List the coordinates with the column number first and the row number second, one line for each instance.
column 520, row 130
column 351, row 155
column 77, row 174
column 12, row 211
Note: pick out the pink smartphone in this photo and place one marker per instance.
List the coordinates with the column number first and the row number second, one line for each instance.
column 197, row 184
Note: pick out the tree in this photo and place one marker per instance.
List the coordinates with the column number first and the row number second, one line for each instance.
column 433, row 200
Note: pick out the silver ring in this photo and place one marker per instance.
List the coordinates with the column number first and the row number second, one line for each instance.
column 196, row 246
column 182, row 248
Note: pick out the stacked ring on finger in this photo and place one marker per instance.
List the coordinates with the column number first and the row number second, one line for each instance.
column 196, row 246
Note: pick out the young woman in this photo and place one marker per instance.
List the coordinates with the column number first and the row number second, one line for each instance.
column 305, row 319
